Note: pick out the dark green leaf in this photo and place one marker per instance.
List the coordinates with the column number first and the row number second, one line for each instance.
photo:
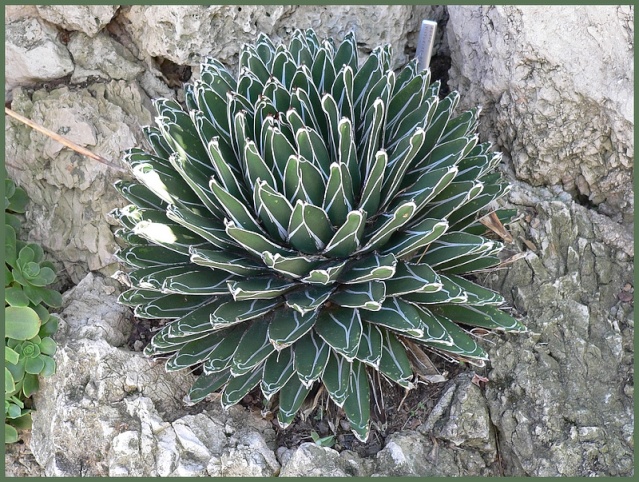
column 254, row 242
column 220, row 357
column 171, row 236
column 412, row 277
column 374, row 267
column 273, row 209
column 255, row 169
column 374, row 178
column 170, row 306
column 253, row 349
column 347, row 238
column 451, row 246
column 292, row 395
column 233, row 312
column 336, row 378
column 397, row 315
column 421, row 234
column 399, row 162
column 196, row 351
column 347, row 152
column 198, row 282
column 370, row 345
column 221, row 155
column 303, row 181
column 229, row 262
column 477, row 295
column 488, row 317
column 367, row 296
column 341, row 329
column 237, row 388
column 210, row 229
column 145, row 256
column 387, row 225
column 338, row 198
column 278, row 370
column 453, row 197
column 139, row 195
column 135, row 297
column 308, row 298
column 234, row 208
column 426, row 187
column 290, row 266
column 346, row 53
column 450, row 292
column 207, row 384
column 407, row 97
column 326, row 274
column 463, row 345
column 309, row 229
column 357, row 404
column 394, row 363
column 311, row 356
column 288, row 326
column 371, row 139
column 259, row 288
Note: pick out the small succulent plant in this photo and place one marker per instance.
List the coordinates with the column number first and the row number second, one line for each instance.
column 28, row 324
column 309, row 221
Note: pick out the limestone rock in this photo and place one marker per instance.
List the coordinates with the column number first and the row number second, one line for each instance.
column 101, row 57
column 461, row 417
column 86, row 315
column 187, row 34
column 15, row 12
column 70, row 194
column 33, row 53
column 83, row 406
column 561, row 397
column 557, row 88
column 415, row 455
column 89, row 19
column 311, row 460
column 247, row 455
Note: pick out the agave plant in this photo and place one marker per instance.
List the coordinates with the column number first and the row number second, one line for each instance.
column 308, row 221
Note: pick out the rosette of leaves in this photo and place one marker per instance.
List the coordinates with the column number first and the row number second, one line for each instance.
column 309, row 221
column 28, row 324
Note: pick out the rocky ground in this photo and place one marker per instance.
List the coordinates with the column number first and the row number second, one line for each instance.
column 557, row 400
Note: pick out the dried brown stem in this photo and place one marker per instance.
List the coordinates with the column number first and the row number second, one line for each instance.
column 62, row 140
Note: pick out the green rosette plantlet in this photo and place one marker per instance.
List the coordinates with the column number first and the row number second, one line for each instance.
column 28, row 326
column 306, row 222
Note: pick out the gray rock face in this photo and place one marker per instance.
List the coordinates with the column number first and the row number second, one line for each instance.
column 562, row 396
column 33, row 53
column 187, row 34
column 101, row 57
column 89, row 19
column 408, row 454
column 563, row 75
column 461, row 417
column 71, row 195
column 310, row 460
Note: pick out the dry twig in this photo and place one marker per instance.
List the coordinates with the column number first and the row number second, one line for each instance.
column 62, row 140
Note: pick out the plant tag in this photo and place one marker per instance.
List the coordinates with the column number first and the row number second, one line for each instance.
column 425, row 43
